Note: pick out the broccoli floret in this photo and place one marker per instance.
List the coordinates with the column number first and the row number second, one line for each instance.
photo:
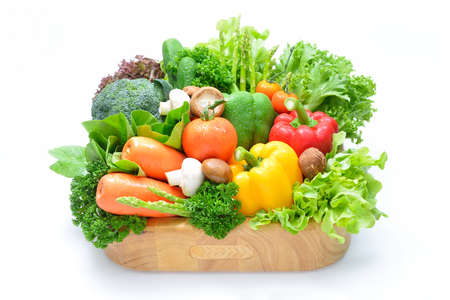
column 126, row 95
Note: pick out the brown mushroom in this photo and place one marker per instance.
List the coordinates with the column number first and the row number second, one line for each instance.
column 217, row 170
column 190, row 90
column 206, row 97
column 312, row 162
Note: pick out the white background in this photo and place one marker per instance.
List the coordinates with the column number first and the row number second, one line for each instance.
column 53, row 55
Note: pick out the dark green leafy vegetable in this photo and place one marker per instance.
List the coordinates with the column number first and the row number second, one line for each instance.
column 324, row 82
column 99, row 227
column 207, row 70
column 124, row 96
column 344, row 195
column 212, row 208
column 185, row 72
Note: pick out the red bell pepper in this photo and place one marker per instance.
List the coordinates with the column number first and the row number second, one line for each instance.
column 302, row 129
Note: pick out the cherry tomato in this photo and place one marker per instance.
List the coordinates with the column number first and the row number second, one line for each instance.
column 278, row 99
column 267, row 88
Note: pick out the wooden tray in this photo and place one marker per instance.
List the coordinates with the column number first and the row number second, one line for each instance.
column 172, row 244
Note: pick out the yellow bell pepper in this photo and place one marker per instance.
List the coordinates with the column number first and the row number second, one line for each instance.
column 272, row 169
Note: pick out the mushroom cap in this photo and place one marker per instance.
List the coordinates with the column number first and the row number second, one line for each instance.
column 190, row 90
column 312, row 162
column 217, row 170
column 203, row 98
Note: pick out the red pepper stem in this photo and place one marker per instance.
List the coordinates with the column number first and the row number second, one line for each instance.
column 242, row 154
column 302, row 115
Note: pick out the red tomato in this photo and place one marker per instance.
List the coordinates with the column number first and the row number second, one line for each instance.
column 215, row 138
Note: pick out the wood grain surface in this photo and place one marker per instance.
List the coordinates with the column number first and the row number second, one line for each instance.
column 172, row 244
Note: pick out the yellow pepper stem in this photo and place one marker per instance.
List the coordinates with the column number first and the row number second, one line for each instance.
column 242, row 154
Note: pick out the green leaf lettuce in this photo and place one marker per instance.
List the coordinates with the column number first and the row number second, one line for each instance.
column 325, row 82
column 343, row 195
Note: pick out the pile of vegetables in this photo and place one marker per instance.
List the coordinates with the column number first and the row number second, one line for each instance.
column 221, row 132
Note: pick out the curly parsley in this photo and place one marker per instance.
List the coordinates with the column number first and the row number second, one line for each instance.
column 209, row 70
column 99, row 227
column 212, row 208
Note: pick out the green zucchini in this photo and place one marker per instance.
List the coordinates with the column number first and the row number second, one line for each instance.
column 185, row 73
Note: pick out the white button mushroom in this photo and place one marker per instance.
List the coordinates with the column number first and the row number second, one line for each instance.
column 190, row 177
column 176, row 99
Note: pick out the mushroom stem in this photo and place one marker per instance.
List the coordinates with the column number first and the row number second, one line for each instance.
column 189, row 177
column 174, row 177
column 164, row 108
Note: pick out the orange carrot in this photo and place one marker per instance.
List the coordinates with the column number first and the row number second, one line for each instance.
column 154, row 157
column 115, row 185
